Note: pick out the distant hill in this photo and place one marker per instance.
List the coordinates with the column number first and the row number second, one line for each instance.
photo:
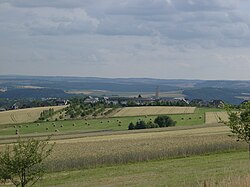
column 34, row 93
column 207, row 94
column 56, row 86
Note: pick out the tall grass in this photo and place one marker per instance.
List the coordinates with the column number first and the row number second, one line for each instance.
column 107, row 151
column 239, row 181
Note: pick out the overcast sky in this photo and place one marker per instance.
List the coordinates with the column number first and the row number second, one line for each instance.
column 190, row 39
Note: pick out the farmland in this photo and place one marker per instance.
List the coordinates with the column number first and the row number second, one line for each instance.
column 24, row 115
column 219, row 170
column 123, row 148
column 102, row 152
column 110, row 124
column 119, row 159
column 153, row 110
column 215, row 117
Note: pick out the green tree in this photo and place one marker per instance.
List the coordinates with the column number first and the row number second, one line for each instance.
column 131, row 126
column 22, row 163
column 164, row 121
column 239, row 123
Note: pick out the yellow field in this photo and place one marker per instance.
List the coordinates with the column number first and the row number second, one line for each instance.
column 24, row 115
column 153, row 110
column 216, row 117
column 113, row 149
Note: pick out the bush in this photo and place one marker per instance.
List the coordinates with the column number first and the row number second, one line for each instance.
column 142, row 125
column 164, row 121
column 131, row 126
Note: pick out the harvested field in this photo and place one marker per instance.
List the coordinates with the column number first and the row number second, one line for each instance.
column 215, row 117
column 153, row 110
column 24, row 115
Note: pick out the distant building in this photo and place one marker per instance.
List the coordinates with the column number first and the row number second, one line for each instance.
column 217, row 103
column 2, row 109
column 60, row 102
column 91, row 100
column 198, row 102
column 14, row 107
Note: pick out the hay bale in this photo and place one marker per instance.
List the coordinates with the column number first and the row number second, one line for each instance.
column 38, row 124
column 27, row 126
column 14, row 126
column 73, row 124
column 119, row 125
column 61, row 126
column 47, row 128
column 56, row 130
column 17, row 131
column 20, row 126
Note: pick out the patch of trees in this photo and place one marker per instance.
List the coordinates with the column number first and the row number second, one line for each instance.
column 159, row 122
column 46, row 114
column 78, row 108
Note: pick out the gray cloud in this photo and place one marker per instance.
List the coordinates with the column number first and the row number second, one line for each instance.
column 96, row 37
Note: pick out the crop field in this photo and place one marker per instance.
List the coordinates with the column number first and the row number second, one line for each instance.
column 215, row 117
column 112, row 159
column 24, row 115
column 90, row 125
column 119, row 149
column 100, row 124
column 112, row 149
column 153, row 110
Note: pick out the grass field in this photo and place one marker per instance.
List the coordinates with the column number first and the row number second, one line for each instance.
column 24, row 115
column 215, row 117
column 90, row 125
column 153, row 110
column 220, row 170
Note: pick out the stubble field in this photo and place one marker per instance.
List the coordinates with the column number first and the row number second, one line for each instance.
column 153, row 110
column 24, row 115
column 216, row 117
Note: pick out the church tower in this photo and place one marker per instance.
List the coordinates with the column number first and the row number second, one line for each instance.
column 157, row 92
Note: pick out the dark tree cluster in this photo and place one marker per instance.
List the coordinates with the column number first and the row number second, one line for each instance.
column 160, row 121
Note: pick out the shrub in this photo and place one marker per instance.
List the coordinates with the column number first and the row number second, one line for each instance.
column 140, row 125
column 131, row 126
column 164, row 121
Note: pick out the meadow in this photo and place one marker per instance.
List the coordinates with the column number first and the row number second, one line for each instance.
column 24, row 115
column 216, row 170
column 100, row 124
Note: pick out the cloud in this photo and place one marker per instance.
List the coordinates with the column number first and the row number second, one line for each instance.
column 51, row 21
column 116, row 36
